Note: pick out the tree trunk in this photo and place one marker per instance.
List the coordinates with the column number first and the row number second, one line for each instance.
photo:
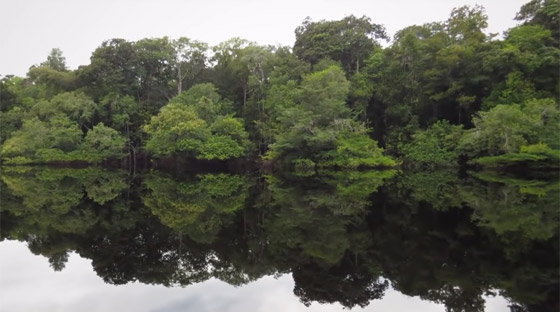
column 180, row 80
column 244, row 95
column 134, row 162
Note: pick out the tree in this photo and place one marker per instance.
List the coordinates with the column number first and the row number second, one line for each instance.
column 466, row 24
column 102, row 142
column 542, row 12
column 503, row 129
column 518, row 135
column 546, row 112
column 435, row 146
column 120, row 113
column 176, row 128
column 142, row 69
column 285, row 73
column 196, row 122
column 205, row 100
column 190, row 61
column 229, row 126
column 76, row 105
column 348, row 41
column 319, row 127
column 40, row 141
column 522, row 67
column 199, row 207
column 229, row 74
column 324, row 94
column 56, row 60
column 112, row 70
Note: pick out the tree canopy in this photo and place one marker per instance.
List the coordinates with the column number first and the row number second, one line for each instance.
column 436, row 95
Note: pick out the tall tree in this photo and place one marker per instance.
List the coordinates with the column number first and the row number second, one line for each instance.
column 348, row 41
column 542, row 12
column 56, row 60
column 190, row 62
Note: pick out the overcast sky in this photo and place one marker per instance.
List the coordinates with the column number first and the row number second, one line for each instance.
column 27, row 283
column 29, row 29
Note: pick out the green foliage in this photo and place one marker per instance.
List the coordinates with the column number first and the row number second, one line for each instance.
column 35, row 135
column 56, row 60
column 320, row 129
column 536, row 155
column 220, row 147
column 539, row 187
column 467, row 24
column 174, row 126
column 50, row 81
column 101, row 143
column 324, row 94
column 50, row 77
column 348, row 41
column 524, row 65
column 120, row 113
column 302, row 102
column 355, row 149
column 199, row 207
column 190, row 58
column 50, row 198
column 500, row 135
column 337, row 233
column 329, row 228
column 304, row 167
column 435, row 146
column 544, row 13
column 195, row 124
column 313, row 216
column 361, row 91
column 142, row 69
column 508, row 159
column 10, row 120
column 232, row 127
column 503, row 129
column 355, row 185
column 75, row 105
column 513, row 207
column 540, row 148
column 60, row 139
column 437, row 187
column 17, row 160
column 205, row 101
column 547, row 125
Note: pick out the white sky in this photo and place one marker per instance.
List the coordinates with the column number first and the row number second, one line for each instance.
column 29, row 29
column 27, row 283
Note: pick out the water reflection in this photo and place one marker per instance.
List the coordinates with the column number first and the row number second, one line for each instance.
column 345, row 237
column 198, row 208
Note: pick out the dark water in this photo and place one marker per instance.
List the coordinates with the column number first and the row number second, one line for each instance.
column 378, row 240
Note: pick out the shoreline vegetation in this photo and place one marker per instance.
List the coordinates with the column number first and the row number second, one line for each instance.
column 442, row 94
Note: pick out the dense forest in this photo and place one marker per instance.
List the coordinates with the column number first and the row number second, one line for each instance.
column 439, row 94
column 446, row 95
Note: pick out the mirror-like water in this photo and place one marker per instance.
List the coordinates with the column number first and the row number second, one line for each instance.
column 378, row 240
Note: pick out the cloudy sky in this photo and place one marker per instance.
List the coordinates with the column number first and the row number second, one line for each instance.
column 29, row 29
column 27, row 283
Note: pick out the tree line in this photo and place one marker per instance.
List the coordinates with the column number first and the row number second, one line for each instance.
column 439, row 93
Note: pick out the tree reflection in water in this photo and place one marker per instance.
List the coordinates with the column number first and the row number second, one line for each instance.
column 344, row 236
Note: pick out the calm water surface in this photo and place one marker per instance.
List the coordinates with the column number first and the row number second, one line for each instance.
column 102, row 240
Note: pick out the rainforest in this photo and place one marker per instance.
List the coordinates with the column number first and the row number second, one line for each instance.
column 440, row 95
column 357, row 163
